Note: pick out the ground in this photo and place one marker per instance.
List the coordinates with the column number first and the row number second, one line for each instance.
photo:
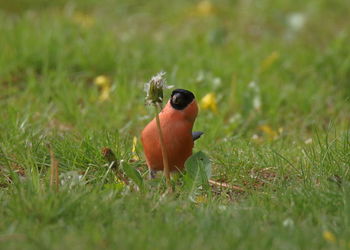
column 272, row 80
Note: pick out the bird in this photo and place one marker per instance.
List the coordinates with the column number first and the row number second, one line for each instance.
column 176, row 121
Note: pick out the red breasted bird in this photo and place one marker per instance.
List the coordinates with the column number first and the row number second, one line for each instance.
column 176, row 120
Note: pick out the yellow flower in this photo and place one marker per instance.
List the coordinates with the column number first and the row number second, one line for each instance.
column 272, row 134
column 102, row 80
column 204, row 8
column 119, row 185
column 209, row 102
column 328, row 236
column 269, row 60
column 201, row 199
column 135, row 157
column 84, row 20
column 104, row 84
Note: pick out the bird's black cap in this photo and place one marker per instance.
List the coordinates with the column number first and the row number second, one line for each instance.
column 180, row 98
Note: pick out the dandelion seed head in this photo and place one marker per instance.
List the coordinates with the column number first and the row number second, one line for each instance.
column 253, row 85
column 217, row 81
column 308, row 141
column 235, row 118
column 296, row 21
column 257, row 103
column 255, row 137
column 154, row 89
column 288, row 222
column 200, row 77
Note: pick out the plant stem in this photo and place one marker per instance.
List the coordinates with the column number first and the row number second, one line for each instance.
column 54, row 176
column 162, row 145
column 225, row 185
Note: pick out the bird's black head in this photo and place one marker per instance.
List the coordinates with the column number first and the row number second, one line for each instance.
column 180, row 98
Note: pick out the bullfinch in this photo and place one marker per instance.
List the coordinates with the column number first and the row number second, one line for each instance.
column 176, row 120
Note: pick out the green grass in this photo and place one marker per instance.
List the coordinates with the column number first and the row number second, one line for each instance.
column 297, row 189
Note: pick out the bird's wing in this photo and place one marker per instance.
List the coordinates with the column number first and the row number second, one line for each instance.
column 196, row 135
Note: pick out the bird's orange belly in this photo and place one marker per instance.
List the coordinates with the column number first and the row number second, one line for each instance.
column 178, row 144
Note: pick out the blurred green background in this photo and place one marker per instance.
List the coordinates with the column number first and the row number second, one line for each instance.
column 273, row 82
column 297, row 53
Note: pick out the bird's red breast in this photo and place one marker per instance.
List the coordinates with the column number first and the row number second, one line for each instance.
column 177, row 132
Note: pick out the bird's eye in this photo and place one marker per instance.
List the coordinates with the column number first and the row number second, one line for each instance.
column 177, row 99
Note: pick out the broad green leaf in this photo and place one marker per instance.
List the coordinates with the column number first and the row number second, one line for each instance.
column 197, row 163
column 198, row 172
column 133, row 174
